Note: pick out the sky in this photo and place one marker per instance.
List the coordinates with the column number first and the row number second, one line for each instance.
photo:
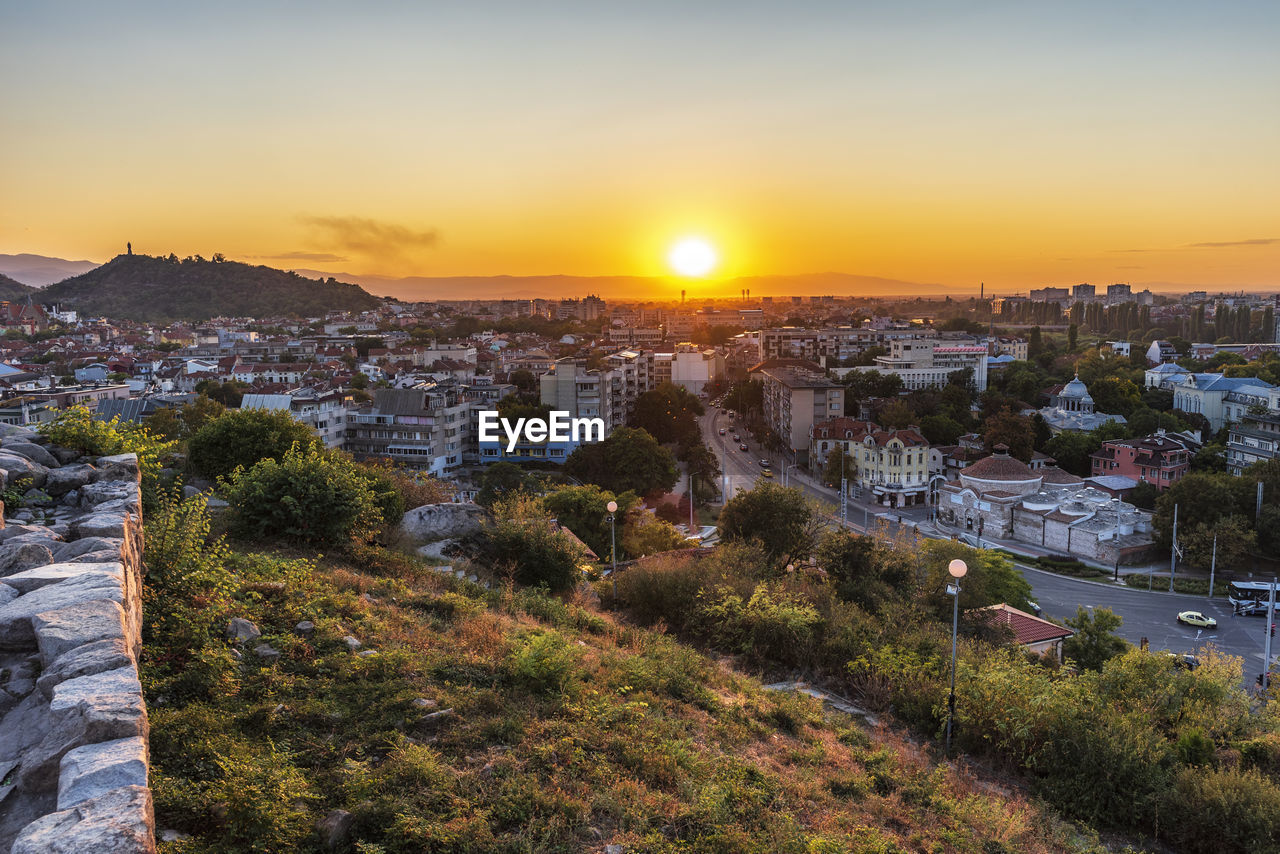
column 1018, row 143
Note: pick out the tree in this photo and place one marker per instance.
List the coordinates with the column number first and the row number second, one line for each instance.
column 1201, row 497
column 839, row 464
column 703, row 466
column 1095, row 641
column 941, row 430
column 242, row 437
column 745, row 395
column 669, row 413
column 229, row 394
column 524, row 380
column 863, row 385
column 583, row 510
column 501, row 480
column 1009, row 428
column 896, row 415
column 1115, row 395
column 1073, row 335
column 628, row 460
column 1071, row 450
column 990, row 580
column 780, row 518
column 861, row 571
column 1235, row 537
column 644, row 534
column 1035, row 346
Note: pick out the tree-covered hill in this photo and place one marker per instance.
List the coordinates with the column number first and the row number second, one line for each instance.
column 13, row 290
column 145, row 287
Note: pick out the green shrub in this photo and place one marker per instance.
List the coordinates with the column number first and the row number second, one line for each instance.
column 771, row 624
column 240, row 438
column 76, row 428
column 1189, row 586
column 523, row 543
column 310, row 496
column 544, row 663
column 1214, row 811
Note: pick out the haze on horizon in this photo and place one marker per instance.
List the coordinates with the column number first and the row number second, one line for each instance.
column 1019, row 144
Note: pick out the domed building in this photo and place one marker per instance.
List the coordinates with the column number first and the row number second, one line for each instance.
column 1003, row 498
column 1073, row 410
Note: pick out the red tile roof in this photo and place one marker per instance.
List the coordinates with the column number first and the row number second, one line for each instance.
column 1027, row 629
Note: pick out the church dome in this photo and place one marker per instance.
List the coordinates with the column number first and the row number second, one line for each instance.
column 1076, row 390
column 1001, row 472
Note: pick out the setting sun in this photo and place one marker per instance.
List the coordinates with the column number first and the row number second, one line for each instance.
column 692, row 256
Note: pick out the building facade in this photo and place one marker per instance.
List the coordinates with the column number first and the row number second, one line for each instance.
column 1159, row 459
column 794, row 400
column 891, row 465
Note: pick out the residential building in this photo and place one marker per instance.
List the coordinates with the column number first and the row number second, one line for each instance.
column 794, row 400
column 324, row 412
column 1084, row 292
column 1255, row 439
column 1159, row 459
column 1049, row 294
column 891, row 465
column 424, row 428
column 1037, row 636
column 1161, row 352
column 694, row 367
column 1119, row 293
column 1221, row 399
column 1015, row 347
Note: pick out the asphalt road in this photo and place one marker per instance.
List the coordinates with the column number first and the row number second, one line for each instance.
column 1149, row 615
column 1154, row 616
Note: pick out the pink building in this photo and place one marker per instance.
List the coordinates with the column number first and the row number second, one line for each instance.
column 1158, row 459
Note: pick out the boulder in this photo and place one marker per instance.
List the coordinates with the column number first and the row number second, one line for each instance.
column 85, row 710
column 119, row 467
column 101, row 524
column 352, row 643
column 97, row 657
column 95, row 769
column 103, row 556
column 26, row 434
column 15, row 557
column 432, row 522
column 53, row 573
column 60, row 631
column 305, row 628
column 31, row 451
column 18, row 468
column 75, row 548
column 12, row 531
column 121, row 821
column 16, row 630
column 7, row 594
column 336, row 829
column 109, row 492
column 64, row 455
column 267, row 653
column 242, row 630
column 70, row 477
column 439, row 549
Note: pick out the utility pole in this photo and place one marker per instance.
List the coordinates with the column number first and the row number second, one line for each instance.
column 1266, row 644
column 1257, row 513
column 1213, row 564
column 844, row 494
column 1173, row 552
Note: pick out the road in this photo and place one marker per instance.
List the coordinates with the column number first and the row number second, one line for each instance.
column 1153, row 616
column 1149, row 615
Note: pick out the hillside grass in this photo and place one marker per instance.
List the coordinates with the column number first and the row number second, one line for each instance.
column 569, row 730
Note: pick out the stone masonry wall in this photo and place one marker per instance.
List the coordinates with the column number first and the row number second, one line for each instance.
column 73, row 725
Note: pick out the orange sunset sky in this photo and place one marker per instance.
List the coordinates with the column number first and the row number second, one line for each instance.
column 1016, row 143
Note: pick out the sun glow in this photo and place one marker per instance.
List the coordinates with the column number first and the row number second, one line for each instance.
column 692, row 256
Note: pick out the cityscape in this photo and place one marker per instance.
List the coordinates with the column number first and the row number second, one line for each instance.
column 624, row 430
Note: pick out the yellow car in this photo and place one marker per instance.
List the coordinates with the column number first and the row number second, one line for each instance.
column 767, row 473
column 1195, row 618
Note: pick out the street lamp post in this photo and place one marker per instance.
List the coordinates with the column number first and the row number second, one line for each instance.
column 612, row 507
column 957, row 568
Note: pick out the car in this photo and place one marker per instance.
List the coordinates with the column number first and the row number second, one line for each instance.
column 722, row 431
column 767, row 473
column 1186, row 660
column 1195, row 618
column 764, row 464
column 737, row 438
column 742, row 448
column 1034, row 606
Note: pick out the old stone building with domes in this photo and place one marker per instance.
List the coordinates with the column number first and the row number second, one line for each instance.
column 1003, row 498
column 1073, row 410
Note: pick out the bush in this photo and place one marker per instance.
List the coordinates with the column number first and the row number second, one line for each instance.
column 523, row 544
column 241, row 438
column 309, row 496
column 77, row 429
column 544, row 663
column 1190, row 586
column 1223, row 811
column 773, row 624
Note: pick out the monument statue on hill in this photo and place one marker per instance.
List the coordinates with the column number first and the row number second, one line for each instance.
column 128, row 248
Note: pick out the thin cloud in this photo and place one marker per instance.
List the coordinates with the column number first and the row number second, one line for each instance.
column 1127, row 251
column 328, row 257
column 1257, row 241
column 369, row 236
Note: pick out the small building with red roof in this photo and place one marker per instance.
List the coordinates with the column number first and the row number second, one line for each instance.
column 1036, row 635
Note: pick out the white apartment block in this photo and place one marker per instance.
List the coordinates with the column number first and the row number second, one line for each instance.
column 924, row 363
column 693, row 367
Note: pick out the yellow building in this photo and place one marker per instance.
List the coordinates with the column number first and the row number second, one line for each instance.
column 892, row 465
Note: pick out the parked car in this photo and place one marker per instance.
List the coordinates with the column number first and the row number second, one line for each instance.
column 1184, row 660
column 1195, row 618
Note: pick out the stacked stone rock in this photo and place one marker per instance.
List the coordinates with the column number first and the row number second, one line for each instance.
column 73, row 725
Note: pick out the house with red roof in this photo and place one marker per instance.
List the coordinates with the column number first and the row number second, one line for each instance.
column 1035, row 635
column 892, row 465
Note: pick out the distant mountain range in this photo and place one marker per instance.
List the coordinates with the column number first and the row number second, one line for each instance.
column 148, row 288
column 40, row 270
column 634, row 287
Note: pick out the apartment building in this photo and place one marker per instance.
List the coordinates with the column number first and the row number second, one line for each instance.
column 925, row 363
column 324, row 412
column 608, row 392
column 794, row 400
column 827, row 346
column 427, row 427
column 1255, row 439
column 1159, row 459
column 694, row 367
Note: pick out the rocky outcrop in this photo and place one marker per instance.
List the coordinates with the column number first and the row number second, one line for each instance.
column 73, row 724
column 432, row 522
